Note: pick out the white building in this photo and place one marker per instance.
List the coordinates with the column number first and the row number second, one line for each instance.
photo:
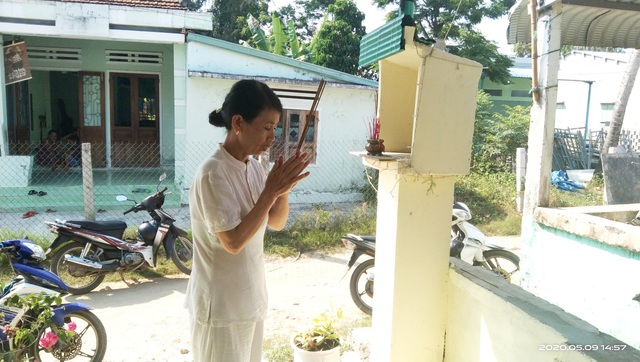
column 604, row 72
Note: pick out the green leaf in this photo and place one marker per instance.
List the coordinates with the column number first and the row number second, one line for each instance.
column 294, row 43
column 278, row 34
column 259, row 38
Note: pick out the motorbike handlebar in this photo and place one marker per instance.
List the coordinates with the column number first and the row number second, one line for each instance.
column 146, row 203
column 8, row 248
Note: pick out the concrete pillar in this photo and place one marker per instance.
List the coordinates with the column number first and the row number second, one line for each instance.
column 4, row 131
column 412, row 262
column 543, row 114
column 180, row 99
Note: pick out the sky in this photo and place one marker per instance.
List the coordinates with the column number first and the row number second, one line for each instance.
column 495, row 30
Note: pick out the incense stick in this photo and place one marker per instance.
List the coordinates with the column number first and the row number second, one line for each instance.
column 311, row 114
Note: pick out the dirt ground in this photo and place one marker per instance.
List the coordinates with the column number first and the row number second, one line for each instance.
column 146, row 321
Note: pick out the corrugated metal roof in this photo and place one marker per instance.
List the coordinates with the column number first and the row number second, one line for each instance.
column 594, row 23
column 382, row 42
column 158, row 4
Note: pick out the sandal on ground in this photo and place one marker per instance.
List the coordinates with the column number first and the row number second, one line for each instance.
column 41, row 193
column 32, row 192
column 29, row 214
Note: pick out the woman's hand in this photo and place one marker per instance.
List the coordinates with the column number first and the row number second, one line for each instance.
column 273, row 203
column 286, row 174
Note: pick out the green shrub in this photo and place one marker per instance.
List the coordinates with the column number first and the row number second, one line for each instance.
column 497, row 137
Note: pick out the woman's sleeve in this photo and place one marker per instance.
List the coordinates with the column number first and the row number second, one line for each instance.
column 218, row 204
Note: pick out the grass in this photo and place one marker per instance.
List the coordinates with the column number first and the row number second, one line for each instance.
column 492, row 200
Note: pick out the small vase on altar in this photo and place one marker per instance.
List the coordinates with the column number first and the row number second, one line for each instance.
column 375, row 147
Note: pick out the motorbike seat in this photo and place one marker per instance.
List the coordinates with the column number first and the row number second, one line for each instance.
column 113, row 228
column 368, row 238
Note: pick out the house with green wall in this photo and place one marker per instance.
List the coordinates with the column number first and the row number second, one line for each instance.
column 516, row 92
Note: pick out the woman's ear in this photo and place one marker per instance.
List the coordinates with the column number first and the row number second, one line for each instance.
column 237, row 123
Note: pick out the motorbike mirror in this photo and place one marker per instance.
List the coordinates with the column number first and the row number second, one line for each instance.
column 121, row 198
column 162, row 177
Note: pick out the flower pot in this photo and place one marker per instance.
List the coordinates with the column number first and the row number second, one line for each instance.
column 375, row 147
column 301, row 355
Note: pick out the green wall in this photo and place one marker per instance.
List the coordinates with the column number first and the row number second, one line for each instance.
column 507, row 96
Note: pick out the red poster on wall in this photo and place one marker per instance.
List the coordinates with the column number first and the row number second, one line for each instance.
column 16, row 63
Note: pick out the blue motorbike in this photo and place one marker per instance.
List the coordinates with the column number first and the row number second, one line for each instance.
column 72, row 332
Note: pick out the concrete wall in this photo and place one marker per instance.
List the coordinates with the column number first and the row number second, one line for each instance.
column 586, row 264
column 491, row 320
column 621, row 172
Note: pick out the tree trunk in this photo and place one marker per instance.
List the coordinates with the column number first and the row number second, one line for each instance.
column 626, row 86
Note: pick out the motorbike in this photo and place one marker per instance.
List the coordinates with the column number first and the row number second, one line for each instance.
column 471, row 245
column 467, row 243
column 86, row 251
column 86, row 342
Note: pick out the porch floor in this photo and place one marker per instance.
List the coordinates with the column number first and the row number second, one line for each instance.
column 64, row 189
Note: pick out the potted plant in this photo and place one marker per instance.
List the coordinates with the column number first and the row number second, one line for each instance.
column 320, row 342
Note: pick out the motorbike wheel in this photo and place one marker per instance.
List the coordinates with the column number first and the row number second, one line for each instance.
column 88, row 343
column 182, row 253
column 502, row 262
column 361, row 286
column 72, row 276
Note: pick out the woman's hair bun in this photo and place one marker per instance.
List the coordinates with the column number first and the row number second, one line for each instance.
column 216, row 118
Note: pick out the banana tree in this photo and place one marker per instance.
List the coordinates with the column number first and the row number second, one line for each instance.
column 282, row 41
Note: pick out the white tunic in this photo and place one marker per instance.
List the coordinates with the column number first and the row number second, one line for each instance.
column 225, row 288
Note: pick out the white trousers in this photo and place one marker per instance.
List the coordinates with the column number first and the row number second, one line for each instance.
column 238, row 342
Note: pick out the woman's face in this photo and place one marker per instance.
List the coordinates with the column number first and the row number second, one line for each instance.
column 258, row 136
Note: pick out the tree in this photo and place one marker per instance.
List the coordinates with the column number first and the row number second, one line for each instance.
column 335, row 45
column 455, row 21
column 193, row 5
column 337, row 42
column 310, row 16
column 229, row 18
column 473, row 45
column 620, row 107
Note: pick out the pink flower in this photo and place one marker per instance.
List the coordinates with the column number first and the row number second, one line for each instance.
column 71, row 326
column 48, row 340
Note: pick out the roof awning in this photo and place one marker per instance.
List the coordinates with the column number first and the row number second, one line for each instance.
column 593, row 23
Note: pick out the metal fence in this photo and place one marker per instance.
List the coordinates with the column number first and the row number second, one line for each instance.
column 571, row 152
column 82, row 181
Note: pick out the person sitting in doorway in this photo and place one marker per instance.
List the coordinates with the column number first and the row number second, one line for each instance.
column 73, row 151
column 56, row 154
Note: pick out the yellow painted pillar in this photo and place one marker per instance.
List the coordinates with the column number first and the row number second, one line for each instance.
column 427, row 102
column 412, row 254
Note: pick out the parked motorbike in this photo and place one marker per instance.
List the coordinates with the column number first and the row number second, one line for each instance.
column 471, row 245
column 88, row 343
column 467, row 243
column 86, row 251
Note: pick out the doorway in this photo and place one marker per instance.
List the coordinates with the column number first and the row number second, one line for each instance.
column 19, row 118
column 134, row 120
